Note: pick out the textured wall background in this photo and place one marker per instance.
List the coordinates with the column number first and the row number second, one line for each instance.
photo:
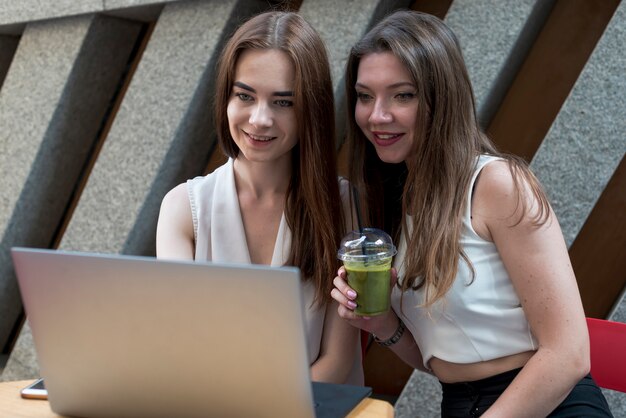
column 105, row 105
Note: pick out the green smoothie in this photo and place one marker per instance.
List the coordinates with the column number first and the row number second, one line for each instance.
column 367, row 255
column 370, row 281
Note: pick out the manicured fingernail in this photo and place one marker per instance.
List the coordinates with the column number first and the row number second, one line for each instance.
column 351, row 294
column 351, row 304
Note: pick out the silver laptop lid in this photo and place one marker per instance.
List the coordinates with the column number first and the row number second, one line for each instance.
column 133, row 337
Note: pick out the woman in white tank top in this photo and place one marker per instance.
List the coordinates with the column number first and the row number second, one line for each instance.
column 486, row 298
column 276, row 201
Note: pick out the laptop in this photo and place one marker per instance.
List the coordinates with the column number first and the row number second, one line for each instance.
column 127, row 336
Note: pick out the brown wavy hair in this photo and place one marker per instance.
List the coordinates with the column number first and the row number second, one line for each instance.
column 434, row 187
column 312, row 208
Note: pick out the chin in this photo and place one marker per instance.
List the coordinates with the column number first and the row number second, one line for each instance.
column 391, row 159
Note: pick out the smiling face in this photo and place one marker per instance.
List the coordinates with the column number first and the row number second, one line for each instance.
column 261, row 116
column 386, row 106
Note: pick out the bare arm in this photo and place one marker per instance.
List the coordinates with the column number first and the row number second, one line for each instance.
column 174, row 238
column 537, row 261
column 338, row 349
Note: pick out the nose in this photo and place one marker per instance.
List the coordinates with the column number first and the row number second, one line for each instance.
column 261, row 116
column 380, row 112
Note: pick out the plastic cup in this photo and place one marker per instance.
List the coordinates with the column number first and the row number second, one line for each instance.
column 367, row 256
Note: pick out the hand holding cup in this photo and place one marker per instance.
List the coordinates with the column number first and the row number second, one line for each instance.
column 367, row 256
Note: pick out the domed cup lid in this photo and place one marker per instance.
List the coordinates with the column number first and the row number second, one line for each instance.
column 366, row 245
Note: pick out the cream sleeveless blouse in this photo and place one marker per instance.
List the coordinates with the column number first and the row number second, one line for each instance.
column 475, row 321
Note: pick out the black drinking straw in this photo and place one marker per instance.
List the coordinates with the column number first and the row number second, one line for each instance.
column 357, row 207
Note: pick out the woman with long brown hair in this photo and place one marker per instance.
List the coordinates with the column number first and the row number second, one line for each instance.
column 277, row 199
column 485, row 299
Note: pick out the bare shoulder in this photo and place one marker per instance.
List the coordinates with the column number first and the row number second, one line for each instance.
column 175, row 230
column 499, row 199
column 495, row 183
column 176, row 199
column 176, row 208
column 177, row 195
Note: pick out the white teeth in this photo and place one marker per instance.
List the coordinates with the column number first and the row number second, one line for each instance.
column 261, row 138
column 387, row 136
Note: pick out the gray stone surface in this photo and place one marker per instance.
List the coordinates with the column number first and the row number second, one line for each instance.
column 488, row 30
column 32, row 10
column 59, row 86
column 587, row 140
column 620, row 312
column 617, row 402
column 421, row 397
column 119, row 4
column 22, row 363
column 21, row 11
column 8, row 45
column 340, row 29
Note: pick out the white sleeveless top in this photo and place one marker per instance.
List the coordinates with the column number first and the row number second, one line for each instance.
column 476, row 320
column 220, row 236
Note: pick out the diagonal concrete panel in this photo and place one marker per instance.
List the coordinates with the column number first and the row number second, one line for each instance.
column 341, row 24
column 123, row 4
column 22, row 363
column 163, row 132
column 586, row 142
column 32, row 10
column 52, row 103
column 495, row 38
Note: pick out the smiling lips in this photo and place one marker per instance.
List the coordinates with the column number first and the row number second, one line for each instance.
column 385, row 139
column 259, row 138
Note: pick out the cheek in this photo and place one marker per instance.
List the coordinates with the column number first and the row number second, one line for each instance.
column 294, row 132
column 234, row 115
column 231, row 112
column 408, row 117
column 361, row 115
column 287, row 123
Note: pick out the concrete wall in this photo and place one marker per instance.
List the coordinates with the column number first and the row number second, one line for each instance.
column 105, row 105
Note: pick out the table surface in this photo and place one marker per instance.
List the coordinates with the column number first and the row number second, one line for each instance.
column 14, row 406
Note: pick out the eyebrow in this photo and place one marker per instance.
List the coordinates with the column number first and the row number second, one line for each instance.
column 276, row 93
column 392, row 86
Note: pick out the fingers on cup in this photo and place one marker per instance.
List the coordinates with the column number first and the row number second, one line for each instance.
column 342, row 299
column 341, row 285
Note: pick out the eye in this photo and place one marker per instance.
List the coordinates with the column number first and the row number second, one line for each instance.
column 363, row 97
column 244, row 97
column 284, row 103
column 405, row 97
